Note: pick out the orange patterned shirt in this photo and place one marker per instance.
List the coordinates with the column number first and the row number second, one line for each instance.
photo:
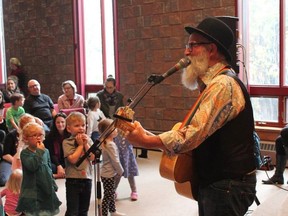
column 222, row 100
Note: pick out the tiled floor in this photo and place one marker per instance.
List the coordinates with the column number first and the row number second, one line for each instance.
column 157, row 196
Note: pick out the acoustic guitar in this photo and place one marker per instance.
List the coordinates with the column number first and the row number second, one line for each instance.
column 177, row 168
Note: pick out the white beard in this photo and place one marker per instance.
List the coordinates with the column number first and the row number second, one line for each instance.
column 199, row 66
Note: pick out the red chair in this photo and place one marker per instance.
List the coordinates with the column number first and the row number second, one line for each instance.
column 6, row 106
column 68, row 111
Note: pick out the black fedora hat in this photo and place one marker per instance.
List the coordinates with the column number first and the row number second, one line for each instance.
column 216, row 31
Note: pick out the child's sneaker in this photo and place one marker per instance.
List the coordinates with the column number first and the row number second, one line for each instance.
column 134, row 196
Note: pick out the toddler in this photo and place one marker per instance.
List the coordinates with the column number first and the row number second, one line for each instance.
column 11, row 192
column 78, row 179
column 37, row 196
column 111, row 169
column 94, row 116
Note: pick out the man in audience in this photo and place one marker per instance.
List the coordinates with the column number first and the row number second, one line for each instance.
column 39, row 105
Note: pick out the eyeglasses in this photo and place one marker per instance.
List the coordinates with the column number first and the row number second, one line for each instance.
column 36, row 136
column 190, row 46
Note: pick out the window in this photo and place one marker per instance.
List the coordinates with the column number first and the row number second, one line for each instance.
column 264, row 34
column 95, row 35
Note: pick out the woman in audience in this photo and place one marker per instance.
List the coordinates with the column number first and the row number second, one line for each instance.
column 4, row 165
column 3, row 127
column 70, row 99
column 53, row 143
column 17, row 70
column 11, row 88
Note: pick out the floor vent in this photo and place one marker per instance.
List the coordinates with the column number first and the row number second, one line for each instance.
column 268, row 149
column 267, row 146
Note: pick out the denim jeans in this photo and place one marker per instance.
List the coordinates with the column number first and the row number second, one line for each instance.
column 78, row 194
column 5, row 171
column 227, row 197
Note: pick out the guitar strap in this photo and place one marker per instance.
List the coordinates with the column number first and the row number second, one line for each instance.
column 191, row 113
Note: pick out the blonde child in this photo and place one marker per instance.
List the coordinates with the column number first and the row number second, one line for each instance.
column 94, row 116
column 11, row 192
column 37, row 196
column 15, row 138
column 13, row 145
column 111, row 169
column 14, row 112
column 78, row 179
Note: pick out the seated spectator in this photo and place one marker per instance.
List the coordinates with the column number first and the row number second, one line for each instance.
column 39, row 105
column 14, row 112
column 11, row 88
column 94, row 116
column 17, row 70
column 70, row 99
column 3, row 127
column 53, row 142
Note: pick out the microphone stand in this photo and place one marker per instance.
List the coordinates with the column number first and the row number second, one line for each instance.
column 132, row 103
column 95, row 148
column 97, row 183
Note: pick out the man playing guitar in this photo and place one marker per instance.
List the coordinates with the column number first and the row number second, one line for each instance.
column 219, row 128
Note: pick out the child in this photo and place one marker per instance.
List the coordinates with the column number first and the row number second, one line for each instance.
column 111, row 168
column 14, row 139
column 12, row 191
column 94, row 116
column 37, row 196
column 13, row 146
column 78, row 179
column 129, row 165
column 14, row 112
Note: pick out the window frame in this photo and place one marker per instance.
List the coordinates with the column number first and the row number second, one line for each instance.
column 79, row 48
column 281, row 91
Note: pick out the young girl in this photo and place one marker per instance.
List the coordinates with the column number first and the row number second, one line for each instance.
column 14, row 138
column 129, row 165
column 11, row 192
column 94, row 116
column 37, row 196
column 111, row 168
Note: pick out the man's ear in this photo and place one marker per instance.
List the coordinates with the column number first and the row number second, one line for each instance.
column 213, row 49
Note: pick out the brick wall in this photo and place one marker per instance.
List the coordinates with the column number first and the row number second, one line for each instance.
column 40, row 34
column 151, row 40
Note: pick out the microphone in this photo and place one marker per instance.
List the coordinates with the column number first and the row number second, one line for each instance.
column 183, row 63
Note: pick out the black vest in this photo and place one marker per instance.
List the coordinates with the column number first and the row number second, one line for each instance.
column 228, row 153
